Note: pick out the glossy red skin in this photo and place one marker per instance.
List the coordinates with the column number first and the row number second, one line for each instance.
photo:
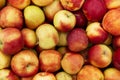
column 94, row 10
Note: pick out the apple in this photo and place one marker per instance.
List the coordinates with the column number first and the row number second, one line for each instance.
column 96, row 34
column 47, row 35
column 94, row 10
column 111, row 74
column 20, row 4
column 90, row 72
column 51, row 9
column 34, row 16
column 11, row 17
column 7, row 74
column 63, row 76
column 100, row 55
column 25, row 63
column 81, row 20
column 2, row 3
column 116, row 58
column 72, row 5
column 77, row 40
column 29, row 37
column 42, row 3
column 11, row 41
column 44, row 76
column 72, row 62
column 111, row 22
column 112, row 4
column 5, row 60
column 50, row 60
column 64, row 20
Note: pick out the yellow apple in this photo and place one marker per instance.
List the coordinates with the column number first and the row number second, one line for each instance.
column 42, row 2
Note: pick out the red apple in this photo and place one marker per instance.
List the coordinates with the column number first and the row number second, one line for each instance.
column 111, row 21
column 72, row 5
column 94, row 10
column 64, row 20
column 72, row 62
column 11, row 17
column 20, row 4
column 25, row 63
column 44, row 76
column 50, row 60
column 100, row 55
column 96, row 34
column 77, row 40
column 7, row 74
column 11, row 40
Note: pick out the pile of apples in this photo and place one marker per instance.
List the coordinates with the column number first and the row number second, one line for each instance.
column 59, row 39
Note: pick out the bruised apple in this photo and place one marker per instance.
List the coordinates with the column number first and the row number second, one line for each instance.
column 11, row 40
column 72, row 5
column 77, row 40
column 25, row 63
column 50, row 60
column 11, row 17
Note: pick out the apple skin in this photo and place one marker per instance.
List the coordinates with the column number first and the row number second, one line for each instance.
column 111, row 4
column 90, row 72
column 72, row 62
column 51, row 9
column 111, row 22
column 42, row 3
column 7, row 74
column 64, row 20
column 72, row 5
column 33, row 20
column 77, row 40
column 2, row 3
column 20, row 4
column 111, row 74
column 11, row 17
column 96, row 34
column 44, row 76
column 29, row 37
column 5, row 60
column 116, row 58
column 50, row 60
column 47, row 35
column 100, row 55
column 94, row 10
column 13, row 43
column 116, row 42
column 27, row 78
column 22, row 64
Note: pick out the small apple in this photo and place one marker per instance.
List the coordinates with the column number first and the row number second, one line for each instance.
column 64, row 20
column 50, row 60
column 51, row 9
column 34, row 16
column 44, row 76
column 63, row 76
column 77, row 40
column 7, row 74
column 2, row 3
column 29, row 37
column 4, row 60
column 89, row 72
column 111, row 21
column 94, row 10
column 20, row 4
column 11, row 40
column 100, row 55
column 72, row 62
column 42, row 3
column 47, row 36
column 11, row 17
column 25, row 63
column 72, row 5
column 111, row 74
column 96, row 34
